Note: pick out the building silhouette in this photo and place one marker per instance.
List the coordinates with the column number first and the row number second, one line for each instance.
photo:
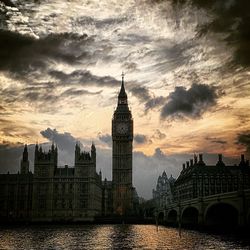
column 16, row 192
column 208, row 195
column 122, row 137
column 54, row 193
column 198, row 179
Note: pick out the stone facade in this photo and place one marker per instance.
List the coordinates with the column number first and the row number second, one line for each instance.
column 216, row 196
column 52, row 193
column 163, row 194
column 198, row 179
column 107, row 198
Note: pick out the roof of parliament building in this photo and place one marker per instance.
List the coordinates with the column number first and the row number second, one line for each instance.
column 198, row 167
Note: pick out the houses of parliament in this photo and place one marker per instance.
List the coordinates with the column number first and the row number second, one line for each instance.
column 78, row 193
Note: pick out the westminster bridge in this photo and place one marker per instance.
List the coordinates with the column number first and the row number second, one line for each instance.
column 225, row 209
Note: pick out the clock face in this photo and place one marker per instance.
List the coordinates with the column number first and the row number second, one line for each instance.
column 122, row 128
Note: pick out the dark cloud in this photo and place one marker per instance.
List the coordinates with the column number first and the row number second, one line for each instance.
column 8, row 3
column 106, row 139
column 83, row 77
column 141, row 139
column 244, row 139
column 144, row 96
column 169, row 56
column 191, row 103
column 45, row 96
column 154, row 102
column 79, row 92
column 141, row 92
column 231, row 18
column 22, row 54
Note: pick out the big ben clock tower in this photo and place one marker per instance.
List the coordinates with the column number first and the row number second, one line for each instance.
column 122, row 137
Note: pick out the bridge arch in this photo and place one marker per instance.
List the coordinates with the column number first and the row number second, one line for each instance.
column 190, row 216
column 172, row 217
column 221, row 214
column 161, row 217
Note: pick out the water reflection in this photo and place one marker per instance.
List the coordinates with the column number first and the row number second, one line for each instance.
column 112, row 237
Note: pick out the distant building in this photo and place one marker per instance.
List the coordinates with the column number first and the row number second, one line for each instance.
column 198, row 179
column 163, row 194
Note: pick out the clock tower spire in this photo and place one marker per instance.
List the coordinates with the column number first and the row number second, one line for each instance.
column 122, row 138
column 122, row 97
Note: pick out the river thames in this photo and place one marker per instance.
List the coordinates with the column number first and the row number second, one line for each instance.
column 112, row 237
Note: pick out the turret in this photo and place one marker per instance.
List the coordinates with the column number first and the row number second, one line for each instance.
column 191, row 162
column 93, row 152
column 183, row 166
column 100, row 175
column 25, row 161
column 195, row 159
column 201, row 162
column 242, row 160
column 85, row 162
column 25, row 153
column 45, row 162
column 56, row 155
column 77, row 152
column 36, row 151
column 220, row 162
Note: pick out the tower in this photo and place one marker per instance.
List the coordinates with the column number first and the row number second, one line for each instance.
column 87, row 184
column 122, row 137
column 45, row 165
column 25, row 161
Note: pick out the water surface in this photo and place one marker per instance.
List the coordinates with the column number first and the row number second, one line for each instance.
column 112, row 237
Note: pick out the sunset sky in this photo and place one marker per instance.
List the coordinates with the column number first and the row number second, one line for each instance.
column 187, row 77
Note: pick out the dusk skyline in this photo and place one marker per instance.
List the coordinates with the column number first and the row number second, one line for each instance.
column 186, row 74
